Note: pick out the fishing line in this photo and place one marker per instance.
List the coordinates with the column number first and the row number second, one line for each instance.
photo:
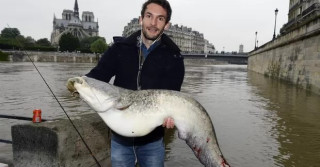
column 91, row 153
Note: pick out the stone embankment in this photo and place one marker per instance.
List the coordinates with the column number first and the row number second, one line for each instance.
column 67, row 57
column 73, row 57
column 56, row 143
column 294, row 57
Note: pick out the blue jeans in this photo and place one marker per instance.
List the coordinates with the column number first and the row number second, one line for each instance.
column 125, row 153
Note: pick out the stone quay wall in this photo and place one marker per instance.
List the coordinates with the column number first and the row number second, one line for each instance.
column 67, row 57
column 294, row 57
column 73, row 57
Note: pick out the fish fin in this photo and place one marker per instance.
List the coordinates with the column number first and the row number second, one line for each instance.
column 123, row 104
column 123, row 107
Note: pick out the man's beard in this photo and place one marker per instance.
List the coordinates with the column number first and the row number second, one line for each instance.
column 146, row 36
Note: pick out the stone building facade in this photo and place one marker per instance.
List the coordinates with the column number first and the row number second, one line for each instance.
column 241, row 48
column 209, row 48
column 189, row 41
column 301, row 12
column 71, row 23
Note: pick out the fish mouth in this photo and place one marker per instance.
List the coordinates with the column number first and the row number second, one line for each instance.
column 75, row 94
column 71, row 84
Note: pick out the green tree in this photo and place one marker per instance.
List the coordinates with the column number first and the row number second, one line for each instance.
column 10, row 33
column 28, row 42
column 86, row 42
column 19, row 41
column 98, row 46
column 43, row 42
column 68, row 42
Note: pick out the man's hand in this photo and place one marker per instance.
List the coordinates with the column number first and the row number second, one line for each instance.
column 168, row 123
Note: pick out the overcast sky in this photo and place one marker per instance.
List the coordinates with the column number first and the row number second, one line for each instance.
column 225, row 23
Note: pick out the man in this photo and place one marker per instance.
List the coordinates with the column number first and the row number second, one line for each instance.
column 148, row 59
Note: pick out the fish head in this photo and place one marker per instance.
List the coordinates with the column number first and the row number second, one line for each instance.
column 100, row 96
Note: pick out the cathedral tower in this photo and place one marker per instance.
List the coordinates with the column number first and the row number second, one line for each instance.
column 71, row 23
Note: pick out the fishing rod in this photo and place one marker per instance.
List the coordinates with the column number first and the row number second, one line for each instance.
column 19, row 118
column 5, row 141
column 55, row 97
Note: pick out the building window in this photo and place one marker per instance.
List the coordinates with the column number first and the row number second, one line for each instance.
column 300, row 10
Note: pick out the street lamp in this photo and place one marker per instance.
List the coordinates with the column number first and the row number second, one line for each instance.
column 255, row 41
column 275, row 23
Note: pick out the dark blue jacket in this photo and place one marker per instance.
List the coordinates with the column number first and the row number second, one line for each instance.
column 162, row 69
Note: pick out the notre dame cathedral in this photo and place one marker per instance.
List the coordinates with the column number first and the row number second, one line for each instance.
column 71, row 23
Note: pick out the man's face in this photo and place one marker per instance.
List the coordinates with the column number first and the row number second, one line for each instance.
column 153, row 21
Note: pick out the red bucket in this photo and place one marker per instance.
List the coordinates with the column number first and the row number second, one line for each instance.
column 36, row 116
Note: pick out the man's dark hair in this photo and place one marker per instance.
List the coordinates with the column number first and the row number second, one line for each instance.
column 163, row 3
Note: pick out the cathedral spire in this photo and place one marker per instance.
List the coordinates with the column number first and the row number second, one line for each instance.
column 76, row 9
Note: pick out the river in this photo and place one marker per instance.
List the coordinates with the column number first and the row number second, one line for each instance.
column 258, row 121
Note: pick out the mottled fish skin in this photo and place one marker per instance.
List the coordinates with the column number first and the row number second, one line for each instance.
column 137, row 113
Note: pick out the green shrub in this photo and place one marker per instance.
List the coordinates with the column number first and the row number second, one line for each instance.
column 41, row 48
column 4, row 56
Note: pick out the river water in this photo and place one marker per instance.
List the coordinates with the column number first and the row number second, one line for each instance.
column 258, row 121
